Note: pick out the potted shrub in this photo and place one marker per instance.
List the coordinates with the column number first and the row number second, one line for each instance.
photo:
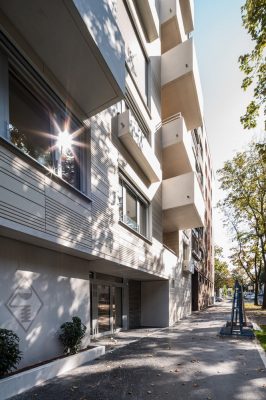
column 10, row 355
column 71, row 335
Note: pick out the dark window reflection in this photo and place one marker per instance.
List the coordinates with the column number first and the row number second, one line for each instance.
column 103, row 308
column 35, row 128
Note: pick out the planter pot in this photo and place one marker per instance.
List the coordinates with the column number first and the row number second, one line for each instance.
column 22, row 381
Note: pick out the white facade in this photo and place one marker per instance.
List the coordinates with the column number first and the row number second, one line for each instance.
column 99, row 225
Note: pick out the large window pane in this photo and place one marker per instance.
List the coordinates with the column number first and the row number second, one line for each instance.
column 44, row 131
column 131, row 207
column 117, row 307
column 132, row 210
column 29, row 124
column 120, row 200
column 142, row 219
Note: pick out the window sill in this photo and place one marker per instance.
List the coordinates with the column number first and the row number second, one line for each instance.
column 31, row 161
column 147, row 240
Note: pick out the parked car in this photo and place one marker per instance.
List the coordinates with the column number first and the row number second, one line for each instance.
column 249, row 296
column 219, row 299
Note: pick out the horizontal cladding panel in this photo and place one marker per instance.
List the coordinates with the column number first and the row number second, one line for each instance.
column 99, row 169
column 18, row 187
column 17, row 200
column 70, row 237
column 31, row 201
column 14, row 166
column 68, row 223
column 99, row 183
column 21, row 217
column 64, row 197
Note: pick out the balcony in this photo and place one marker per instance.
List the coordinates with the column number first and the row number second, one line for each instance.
column 181, row 89
column 183, row 203
column 178, row 157
column 138, row 146
column 75, row 43
column 188, row 266
column 149, row 18
column 187, row 9
column 172, row 28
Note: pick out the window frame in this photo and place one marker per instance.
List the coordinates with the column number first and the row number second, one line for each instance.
column 127, row 187
column 145, row 97
column 48, row 107
column 13, row 63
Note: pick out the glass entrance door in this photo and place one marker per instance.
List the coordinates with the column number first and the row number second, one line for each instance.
column 117, row 307
column 103, row 308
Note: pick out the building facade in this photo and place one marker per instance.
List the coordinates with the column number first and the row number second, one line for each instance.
column 105, row 169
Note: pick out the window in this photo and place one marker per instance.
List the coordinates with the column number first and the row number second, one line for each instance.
column 137, row 61
column 133, row 209
column 44, row 130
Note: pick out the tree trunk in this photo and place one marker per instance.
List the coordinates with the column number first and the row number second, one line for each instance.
column 256, row 292
column 264, row 294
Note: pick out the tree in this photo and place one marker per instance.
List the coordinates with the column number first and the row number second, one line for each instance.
column 221, row 270
column 253, row 64
column 246, row 255
column 243, row 180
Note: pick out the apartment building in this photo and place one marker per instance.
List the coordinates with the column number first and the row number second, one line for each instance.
column 105, row 169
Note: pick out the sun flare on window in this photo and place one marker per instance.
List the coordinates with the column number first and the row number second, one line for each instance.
column 64, row 141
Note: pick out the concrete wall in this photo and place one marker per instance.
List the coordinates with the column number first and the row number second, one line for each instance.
column 155, row 303
column 58, row 287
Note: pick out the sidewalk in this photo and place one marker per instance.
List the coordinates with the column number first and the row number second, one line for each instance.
column 188, row 361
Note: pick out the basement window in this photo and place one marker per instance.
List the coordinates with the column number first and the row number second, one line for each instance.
column 133, row 209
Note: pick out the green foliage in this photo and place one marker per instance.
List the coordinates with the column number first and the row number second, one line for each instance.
column 221, row 274
column 10, row 354
column 246, row 255
column 71, row 335
column 253, row 65
column 243, row 181
column 261, row 335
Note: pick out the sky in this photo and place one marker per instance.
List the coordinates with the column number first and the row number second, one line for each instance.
column 219, row 40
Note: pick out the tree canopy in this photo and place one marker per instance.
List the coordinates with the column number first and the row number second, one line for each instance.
column 253, row 64
column 222, row 273
column 243, row 180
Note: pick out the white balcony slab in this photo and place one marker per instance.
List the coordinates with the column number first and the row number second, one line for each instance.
column 178, row 157
column 149, row 18
column 187, row 9
column 181, row 88
column 172, row 28
column 188, row 266
column 183, row 203
column 138, row 146
column 77, row 42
